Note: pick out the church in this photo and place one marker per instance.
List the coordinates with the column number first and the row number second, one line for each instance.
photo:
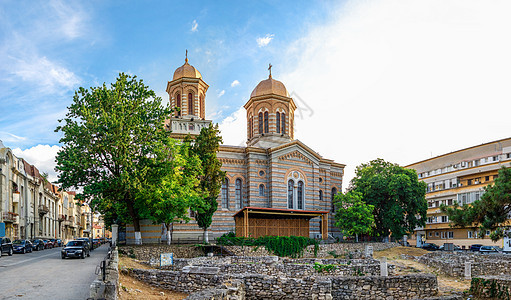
column 275, row 185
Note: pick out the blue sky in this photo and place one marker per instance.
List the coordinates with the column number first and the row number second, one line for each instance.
column 400, row 80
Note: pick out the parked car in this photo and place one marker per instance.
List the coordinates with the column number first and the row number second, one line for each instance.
column 6, row 246
column 430, row 247
column 38, row 245
column 75, row 249
column 96, row 243
column 22, row 246
column 475, row 247
column 456, row 248
column 54, row 243
column 59, row 242
column 47, row 244
column 489, row 249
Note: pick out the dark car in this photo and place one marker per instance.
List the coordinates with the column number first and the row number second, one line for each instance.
column 6, row 246
column 38, row 245
column 22, row 246
column 76, row 249
column 475, row 247
column 488, row 249
column 88, row 241
column 430, row 247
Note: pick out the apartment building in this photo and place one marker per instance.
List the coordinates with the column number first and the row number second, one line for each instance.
column 458, row 177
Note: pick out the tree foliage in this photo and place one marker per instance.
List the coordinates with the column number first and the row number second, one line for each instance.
column 396, row 193
column 488, row 213
column 205, row 147
column 353, row 216
column 173, row 186
column 112, row 137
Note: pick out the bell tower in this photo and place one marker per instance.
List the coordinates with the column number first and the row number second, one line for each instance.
column 187, row 95
column 270, row 114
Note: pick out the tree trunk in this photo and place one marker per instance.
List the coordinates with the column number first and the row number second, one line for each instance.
column 205, row 238
column 135, row 218
column 169, row 233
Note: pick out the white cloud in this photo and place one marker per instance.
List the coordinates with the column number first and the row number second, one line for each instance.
column 264, row 41
column 232, row 128
column 44, row 72
column 403, row 80
column 235, row 83
column 222, row 92
column 9, row 137
column 41, row 156
column 194, row 26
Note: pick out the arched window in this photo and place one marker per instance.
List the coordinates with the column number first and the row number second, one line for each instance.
column 239, row 198
column 250, row 127
column 190, row 104
column 301, row 200
column 334, row 191
column 260, row 123
column 290, row 193
column 178, row 104
column 266, row 127
column 283, row 117
column 278, row 122
column 320, row 195
column 201, row 103
column 225, row 193
column 261, row 190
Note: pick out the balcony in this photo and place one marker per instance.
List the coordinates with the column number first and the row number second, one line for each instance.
column 43, row 209
column 9, row 217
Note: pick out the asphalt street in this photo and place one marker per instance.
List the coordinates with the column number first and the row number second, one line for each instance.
column 44, row 275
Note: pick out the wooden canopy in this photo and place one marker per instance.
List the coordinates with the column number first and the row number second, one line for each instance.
column 260, row 221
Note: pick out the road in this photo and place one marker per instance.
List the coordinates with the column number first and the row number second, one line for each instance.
column 44, row 275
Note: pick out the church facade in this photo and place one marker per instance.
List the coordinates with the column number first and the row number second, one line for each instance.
column 274, row 175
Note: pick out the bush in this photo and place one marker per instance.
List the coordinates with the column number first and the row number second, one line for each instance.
column 292, row 246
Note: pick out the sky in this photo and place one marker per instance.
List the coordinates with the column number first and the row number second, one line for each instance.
column 398, row 80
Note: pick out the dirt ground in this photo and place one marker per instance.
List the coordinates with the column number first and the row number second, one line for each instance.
column 132, row 289
column 446, row 284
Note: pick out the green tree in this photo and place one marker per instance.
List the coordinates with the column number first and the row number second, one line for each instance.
column 353, row 216
column 112, row 136
column 488, row 213
column 396, row 193
column 173, row 187
column 206, row 146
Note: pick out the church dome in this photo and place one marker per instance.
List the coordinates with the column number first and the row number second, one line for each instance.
column 186, row 70
column 269, row 86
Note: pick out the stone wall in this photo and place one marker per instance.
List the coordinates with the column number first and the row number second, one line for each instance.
column 256, row 286
column 453, row 264
column 273, row 265
column 491, row 287
column 152, row 252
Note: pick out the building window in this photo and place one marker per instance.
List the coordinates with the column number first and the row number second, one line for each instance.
column 239, row 198
column 300, row 195
column 430, row 234
column 332, row 196
column 266, row 126
column 261, row 173
column 436, row 233
column 470, row 235
column 278, row 122
column 290, row 193
column 450, row 234
column 445, row 219
column 283, row 117
column 178, row 105
column 190, row 104
column 320, row 195
column 261, row 190
column 225, row 193
column 260, row 123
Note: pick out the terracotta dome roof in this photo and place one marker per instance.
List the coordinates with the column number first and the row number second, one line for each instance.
column 269, row 86
column 186, row 70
